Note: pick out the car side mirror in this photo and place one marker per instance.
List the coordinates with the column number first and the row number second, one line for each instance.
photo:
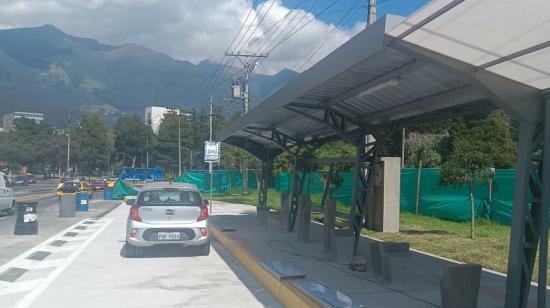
column 130, row 201
column 205, row 202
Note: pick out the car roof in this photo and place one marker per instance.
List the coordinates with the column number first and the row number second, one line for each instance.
column 164, row 184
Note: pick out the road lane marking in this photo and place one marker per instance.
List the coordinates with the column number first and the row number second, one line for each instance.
column 30, row 297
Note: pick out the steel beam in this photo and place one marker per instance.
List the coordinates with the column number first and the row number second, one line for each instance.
column 362, row 180
column 543, row 251
column 265, row 174
column 297, row 186
column 528, row 213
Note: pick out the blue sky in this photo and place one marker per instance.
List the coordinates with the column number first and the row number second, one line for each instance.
column 335, row 13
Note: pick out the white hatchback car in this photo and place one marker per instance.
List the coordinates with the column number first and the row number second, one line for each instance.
column 167, row 214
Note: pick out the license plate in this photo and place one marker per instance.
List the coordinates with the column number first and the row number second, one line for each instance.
column 167, row 236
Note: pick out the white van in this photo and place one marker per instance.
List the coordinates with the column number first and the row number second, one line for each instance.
column 7, row 199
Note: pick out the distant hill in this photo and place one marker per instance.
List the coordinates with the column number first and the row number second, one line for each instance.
column 45, row 70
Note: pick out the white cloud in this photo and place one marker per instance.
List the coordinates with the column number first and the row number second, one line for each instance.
column 184, row 29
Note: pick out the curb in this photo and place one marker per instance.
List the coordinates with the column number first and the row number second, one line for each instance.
column 285, row 292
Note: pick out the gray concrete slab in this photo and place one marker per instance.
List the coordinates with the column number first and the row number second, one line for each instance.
column 167, row 277
column 421, row 289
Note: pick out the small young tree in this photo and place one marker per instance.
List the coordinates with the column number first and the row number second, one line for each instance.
column 422, row 150
column 468, row 164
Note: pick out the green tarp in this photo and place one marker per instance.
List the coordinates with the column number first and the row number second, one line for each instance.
column 445, row 202
column 224, row 180
column 122, row 189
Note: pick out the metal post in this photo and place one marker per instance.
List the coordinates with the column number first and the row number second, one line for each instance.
column 543, row 250
column 179, row 144
column 210, row 164
column 295, row 191
column 403, row 148
column 516, row 280
column 147, row 152
column 69, row 144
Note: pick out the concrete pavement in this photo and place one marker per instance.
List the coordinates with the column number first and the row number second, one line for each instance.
column 88, row 270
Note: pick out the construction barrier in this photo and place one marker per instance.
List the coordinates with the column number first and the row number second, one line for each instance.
column 224, row 180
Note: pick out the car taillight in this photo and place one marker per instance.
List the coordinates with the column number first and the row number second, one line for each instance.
column 133, row 233
column 134, row 215
column 204, row 232
column 204, row 213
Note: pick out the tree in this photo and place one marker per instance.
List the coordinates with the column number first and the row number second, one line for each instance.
column 90, row 143
column 166, row 147
column 477, row 145
column 132, row 137
column 423, row 150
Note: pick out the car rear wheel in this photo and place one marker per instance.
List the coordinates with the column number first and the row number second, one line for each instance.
column 130, row 251
column 204, row 250
column 11, row 211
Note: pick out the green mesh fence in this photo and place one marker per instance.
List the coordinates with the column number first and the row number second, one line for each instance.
column 446, row 202
column 224, row 180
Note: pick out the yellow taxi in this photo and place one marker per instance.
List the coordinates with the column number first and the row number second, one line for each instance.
column 74, row 187
column 111, row 183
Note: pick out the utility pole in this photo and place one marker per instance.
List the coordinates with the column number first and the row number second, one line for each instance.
column 249, row 61
column 147, row 151
column 68, row 142
column 371, row 17
column 179, row 144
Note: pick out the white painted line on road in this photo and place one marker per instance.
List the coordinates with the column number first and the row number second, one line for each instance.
column 17, row 287
column 36, row 248
column 30, row 297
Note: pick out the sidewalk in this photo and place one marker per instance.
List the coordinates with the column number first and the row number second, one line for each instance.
column 422, row 290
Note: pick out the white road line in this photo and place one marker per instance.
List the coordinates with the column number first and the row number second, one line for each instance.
column 30, row 297
column 34, row 264
column 37, row 247
column 21, row 286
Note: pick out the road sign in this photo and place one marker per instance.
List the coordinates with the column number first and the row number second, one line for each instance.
column 212, row 151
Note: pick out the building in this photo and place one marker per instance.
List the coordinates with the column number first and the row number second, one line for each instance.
column 9, row 119
column 154, row 116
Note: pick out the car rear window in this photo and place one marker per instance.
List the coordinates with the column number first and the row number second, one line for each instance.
column 169, row 198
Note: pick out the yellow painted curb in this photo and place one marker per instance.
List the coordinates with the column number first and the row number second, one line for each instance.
column 285, row 292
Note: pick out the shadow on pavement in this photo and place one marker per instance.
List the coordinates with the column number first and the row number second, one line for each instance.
column 163, row 251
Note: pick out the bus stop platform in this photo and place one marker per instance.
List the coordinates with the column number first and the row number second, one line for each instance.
column 258, row 246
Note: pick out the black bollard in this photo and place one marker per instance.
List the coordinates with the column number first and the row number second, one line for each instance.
column 26, row 222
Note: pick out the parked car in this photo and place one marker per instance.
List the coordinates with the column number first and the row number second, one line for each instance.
column 111, row 183
column 20, row 180
column 167, row 214
column 7, row 198
column 98, row 185
column 74, row 187
column 31, row 178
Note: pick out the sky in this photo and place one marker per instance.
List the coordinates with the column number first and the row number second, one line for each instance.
column 194, row 30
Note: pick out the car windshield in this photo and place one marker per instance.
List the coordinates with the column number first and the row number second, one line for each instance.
column 170, row 198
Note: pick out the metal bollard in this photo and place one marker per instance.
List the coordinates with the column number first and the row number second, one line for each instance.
column 67, row 205
column 26, row 222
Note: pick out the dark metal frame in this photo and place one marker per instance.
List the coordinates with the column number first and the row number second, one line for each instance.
column 265, row 175
column 530, row 224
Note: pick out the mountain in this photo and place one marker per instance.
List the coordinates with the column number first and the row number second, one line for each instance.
column 45, row 70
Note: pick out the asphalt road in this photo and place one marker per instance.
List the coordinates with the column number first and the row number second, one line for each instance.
column 48, row 221
column 84, row 266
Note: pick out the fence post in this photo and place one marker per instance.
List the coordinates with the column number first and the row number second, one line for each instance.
column 418, row 187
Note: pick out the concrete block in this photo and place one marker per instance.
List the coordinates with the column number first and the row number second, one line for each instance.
column 383, row 211
column 343, row 242
column 282, row 270
column 262, row 213
column 329, row 224
column 304, row 218
column 396, row 266
column 285, row 210
column 459, row 285
column 386, row 250
column 376, row 259
column 274, row 220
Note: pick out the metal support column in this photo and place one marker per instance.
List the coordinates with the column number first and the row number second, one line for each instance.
column 361, row 183
column 265, row 174
column 543, row 252
column 527, row 213
column 298, row 176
